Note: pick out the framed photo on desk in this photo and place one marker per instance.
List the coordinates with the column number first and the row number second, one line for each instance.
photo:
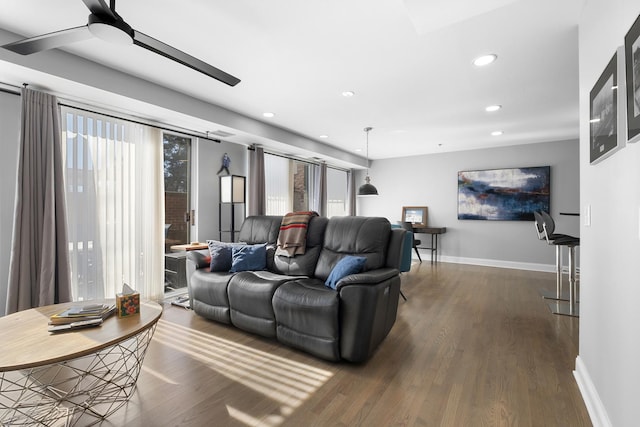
column 416, row 215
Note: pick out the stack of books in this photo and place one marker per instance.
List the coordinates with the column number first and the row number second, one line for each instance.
column 80, row 316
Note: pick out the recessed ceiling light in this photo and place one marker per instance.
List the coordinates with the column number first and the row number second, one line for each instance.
column 483, row 60
column 269, row 114
column 492, row 108
column 348, row 93
column 358, row 150
column 324, row 136
column 496, row 133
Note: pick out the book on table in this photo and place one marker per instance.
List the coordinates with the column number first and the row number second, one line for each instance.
column 75, row 325
column 83, row 313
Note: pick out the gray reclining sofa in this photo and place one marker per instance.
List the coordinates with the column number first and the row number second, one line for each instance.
column 289, row 300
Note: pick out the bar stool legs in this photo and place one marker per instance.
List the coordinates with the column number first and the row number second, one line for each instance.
column 558, row 295
column 571, row 309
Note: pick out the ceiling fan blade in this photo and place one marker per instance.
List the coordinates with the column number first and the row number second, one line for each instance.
column 100, row 8
column 50, row 40
column 174, row 54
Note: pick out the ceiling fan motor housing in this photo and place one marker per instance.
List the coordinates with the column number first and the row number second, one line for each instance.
column 110, row 30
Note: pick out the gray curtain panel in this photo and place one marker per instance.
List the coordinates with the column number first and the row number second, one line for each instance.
column 257, row 192
column 351, row 193
column 39, row 268
column 320, row 190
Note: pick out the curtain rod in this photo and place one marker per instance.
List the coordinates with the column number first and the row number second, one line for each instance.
column 187, row 132
column 14, row 91
column 9, row 91
column 284, row 156
column 183, row 131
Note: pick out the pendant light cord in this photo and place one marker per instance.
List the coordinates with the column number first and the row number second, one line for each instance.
column 367, row 129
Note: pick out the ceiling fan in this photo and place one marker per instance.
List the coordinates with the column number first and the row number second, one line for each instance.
column 106, row 24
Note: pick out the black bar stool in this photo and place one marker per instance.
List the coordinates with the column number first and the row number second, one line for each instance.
column 559, row 240
column 539, row 224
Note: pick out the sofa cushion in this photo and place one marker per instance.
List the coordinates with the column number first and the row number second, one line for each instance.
column 250, row 296
column 353, row 235
column 248, row 258
column 220, row 255
column 307, row 315
column 348, row 265
column 260, row 229
column 208, row 294
column 304, row 265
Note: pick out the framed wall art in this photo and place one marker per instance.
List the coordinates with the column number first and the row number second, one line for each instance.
column 504, row 194
column 632, row 69
column 603, row 114
column 416, row 215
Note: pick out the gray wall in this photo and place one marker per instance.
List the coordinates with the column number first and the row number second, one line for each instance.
column 431, row 181
column 607, row 368
column 207, row 194
column 9, row 143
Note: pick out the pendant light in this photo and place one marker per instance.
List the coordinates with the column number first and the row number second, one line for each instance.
column 367, row 189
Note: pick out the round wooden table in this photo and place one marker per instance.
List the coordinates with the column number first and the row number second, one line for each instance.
column 45, row 377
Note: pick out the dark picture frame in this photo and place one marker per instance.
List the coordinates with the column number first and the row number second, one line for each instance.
column 511, row 194
column 416, row 215
column 603, row 114
column 632, row 69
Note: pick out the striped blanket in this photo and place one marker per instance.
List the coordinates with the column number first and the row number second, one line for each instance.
column 292, row 239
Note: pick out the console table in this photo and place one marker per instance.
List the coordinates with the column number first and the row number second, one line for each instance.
column 194, row 246
column 434, row 232
column 70, row 376
column 175, row 270
column 175, row 265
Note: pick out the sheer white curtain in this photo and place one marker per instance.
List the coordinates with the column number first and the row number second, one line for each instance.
column 278, row 187
column 337, row 189
column 115, row 187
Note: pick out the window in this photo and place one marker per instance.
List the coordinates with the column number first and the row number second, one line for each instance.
column 337, row 184
column 288, row 184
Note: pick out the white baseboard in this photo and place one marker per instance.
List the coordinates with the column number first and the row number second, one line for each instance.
column 550, row 268
column 590, row 395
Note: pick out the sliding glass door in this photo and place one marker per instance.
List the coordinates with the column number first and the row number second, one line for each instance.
column 177, row 190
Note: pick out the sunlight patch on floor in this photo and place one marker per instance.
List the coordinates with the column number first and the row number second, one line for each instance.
column 287, row 382
column 158, row 375
column 243, row 417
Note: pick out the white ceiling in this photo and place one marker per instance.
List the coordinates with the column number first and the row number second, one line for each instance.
column 408, row 62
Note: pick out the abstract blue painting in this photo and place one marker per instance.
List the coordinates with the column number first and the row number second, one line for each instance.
column 504, row 194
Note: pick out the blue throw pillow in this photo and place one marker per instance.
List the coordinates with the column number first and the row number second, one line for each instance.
column 220, row 255
column 249, row 258
column 346, row 266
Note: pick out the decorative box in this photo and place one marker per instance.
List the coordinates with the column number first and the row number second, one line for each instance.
column 127, row 304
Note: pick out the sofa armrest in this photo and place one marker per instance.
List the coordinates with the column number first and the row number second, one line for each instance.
column 368, row 277
column 396, row 248
column 367, row 313
column 199, row 259
column 195, row 261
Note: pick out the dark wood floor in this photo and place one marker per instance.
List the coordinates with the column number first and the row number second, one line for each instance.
column 472, row 346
